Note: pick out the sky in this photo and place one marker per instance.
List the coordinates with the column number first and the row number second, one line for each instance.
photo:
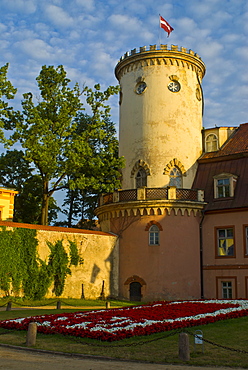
column 88, row 37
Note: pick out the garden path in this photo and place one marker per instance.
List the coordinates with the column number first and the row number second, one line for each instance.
column 13, row 358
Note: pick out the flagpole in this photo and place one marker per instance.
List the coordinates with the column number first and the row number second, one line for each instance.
column 159, row 32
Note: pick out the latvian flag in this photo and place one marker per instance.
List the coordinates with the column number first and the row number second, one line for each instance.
column 165, row 25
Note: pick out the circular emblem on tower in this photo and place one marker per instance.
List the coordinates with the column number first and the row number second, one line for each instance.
column 174, row 86
column 140, row 87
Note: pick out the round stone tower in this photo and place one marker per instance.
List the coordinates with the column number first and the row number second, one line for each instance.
column 156, row 215
column 160, row 113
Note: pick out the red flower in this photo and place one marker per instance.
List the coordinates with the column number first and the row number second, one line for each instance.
column 116, row 324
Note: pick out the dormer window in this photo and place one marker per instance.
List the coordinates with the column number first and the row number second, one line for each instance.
column 224, row 185
column 211, row 142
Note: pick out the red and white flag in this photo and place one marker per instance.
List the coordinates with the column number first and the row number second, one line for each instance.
column 165, row 25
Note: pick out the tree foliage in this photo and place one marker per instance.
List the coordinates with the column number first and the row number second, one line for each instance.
column 7, row 92
column 62, row 148
column 14, row 169
column 16, row 172
column 102, row 172
column 68, row 149
column 46, row 129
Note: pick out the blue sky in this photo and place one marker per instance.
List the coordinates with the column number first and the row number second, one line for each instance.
column 89, row 36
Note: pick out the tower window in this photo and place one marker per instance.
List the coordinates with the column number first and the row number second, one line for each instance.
column 212, row 143
column 141, row 178
column 154, row 235
column 175, row 177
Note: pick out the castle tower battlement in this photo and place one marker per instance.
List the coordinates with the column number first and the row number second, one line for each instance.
column 161, row 105
column 163, row 53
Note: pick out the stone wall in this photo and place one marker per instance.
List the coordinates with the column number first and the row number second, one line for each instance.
column 99, row 251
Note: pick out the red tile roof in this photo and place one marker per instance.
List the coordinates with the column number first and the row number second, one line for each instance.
column 237, row 143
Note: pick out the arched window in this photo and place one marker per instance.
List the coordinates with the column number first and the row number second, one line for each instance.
column 175, row 177
column 212, row 143
column 154, row 235
column 141, row 178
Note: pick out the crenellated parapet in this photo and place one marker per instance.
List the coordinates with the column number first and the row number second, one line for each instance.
column 160, row 55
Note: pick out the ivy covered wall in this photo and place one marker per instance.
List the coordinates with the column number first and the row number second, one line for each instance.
column 38, row 261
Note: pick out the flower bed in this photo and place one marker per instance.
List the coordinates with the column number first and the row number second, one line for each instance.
column 119, row 323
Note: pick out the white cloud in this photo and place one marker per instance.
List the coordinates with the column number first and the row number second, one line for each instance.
column 89, row 5
column 230, row 38
column 58, row 16
column 201, row 9
column 23, row 6
column 125, row 23
column 242, row 52
column 3, row 27
column 36, row 48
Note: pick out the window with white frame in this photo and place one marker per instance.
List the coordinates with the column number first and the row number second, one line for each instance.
column 154, row 235
column 141, row 178
column 212, row 143
column 225, row 242
column 226, row 289
column 175, row 177
column 224, row 185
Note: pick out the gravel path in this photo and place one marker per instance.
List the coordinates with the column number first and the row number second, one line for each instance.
column 14, row 358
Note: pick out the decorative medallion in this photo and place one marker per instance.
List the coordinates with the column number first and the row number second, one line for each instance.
column 140, row 87
column 174, row 86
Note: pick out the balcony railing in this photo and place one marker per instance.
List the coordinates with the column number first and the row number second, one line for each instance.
column 141, row 194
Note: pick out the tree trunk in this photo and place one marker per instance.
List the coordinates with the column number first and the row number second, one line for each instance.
column 45, row 203
column 71, row 205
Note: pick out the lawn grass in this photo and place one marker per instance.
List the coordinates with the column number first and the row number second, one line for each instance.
column 19, row 302
column 158, row 348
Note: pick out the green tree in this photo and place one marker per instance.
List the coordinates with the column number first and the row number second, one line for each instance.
column 51, row 139
column 102, row 172
column 16, row 172
column 7, row 92
column 14, row 169
column 46, row 129
column 79, row 206
column 28, row 203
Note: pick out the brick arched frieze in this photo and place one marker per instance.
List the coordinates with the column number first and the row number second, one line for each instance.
column 140, row 163
column 174, row 163
column 135, row 279
column 153, row 222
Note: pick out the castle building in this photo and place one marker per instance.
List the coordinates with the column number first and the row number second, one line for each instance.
column 181, row 215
